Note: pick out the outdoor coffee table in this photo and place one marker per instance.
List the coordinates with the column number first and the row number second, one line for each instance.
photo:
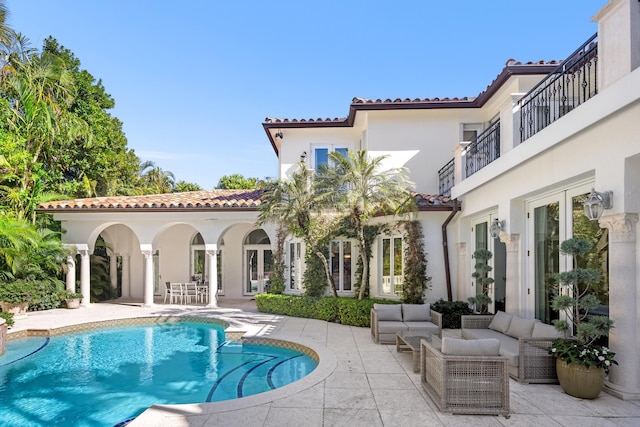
column 409, row 341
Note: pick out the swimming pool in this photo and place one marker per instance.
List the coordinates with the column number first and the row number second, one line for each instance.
column 104, row 376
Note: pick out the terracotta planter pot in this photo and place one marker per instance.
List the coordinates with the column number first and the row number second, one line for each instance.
column 580, row 381
column 19, row 310
column 73, row 302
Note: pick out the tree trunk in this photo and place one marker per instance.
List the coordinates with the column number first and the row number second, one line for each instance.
column 332, row 284
column 365, row 262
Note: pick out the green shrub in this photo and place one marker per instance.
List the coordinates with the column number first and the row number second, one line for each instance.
column 348, row 311
column 8, row 317
column 451, row 312
column 354, row 312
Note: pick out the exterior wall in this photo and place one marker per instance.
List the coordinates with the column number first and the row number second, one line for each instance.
column 297, row 141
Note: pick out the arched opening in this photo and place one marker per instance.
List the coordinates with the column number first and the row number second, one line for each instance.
column 258, row 262
column 199, row 265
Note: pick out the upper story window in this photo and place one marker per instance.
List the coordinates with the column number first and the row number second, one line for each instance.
column 321, row 153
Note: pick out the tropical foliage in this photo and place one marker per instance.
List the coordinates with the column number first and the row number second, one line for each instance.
column 342, row 198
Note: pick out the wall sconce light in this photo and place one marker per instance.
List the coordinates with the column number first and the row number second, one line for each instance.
column 496, row 227
column 278, row 134
column 303, row 156
column 596, row 203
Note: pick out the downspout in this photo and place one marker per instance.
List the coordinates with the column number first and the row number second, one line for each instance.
column 445, row 247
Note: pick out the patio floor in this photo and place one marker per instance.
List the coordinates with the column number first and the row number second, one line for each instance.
column 358, row 382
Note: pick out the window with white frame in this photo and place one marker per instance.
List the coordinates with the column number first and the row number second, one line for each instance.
column 392, row 265
column 321, row 153
column 341, row 264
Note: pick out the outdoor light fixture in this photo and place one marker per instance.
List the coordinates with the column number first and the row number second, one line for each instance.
column 496, row 227
column 596, row 203
column 303, row 156
column 278, row 134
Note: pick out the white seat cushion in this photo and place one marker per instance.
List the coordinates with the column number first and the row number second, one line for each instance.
column 460, row 347
column 416, row 312
column 501, row 322
column 392, row 312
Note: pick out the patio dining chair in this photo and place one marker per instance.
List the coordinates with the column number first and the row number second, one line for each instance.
column 167, row 292
column 176, row 292
column 190, row 292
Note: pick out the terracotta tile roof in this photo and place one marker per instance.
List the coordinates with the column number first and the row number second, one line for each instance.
column 512, row 67
column 428, row 202
column 193, row 200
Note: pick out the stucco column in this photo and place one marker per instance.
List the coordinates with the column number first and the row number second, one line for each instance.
column 624, row 379
column 126, row 280
column 71, row 273
column 113, row 270
column 513, row 291
column 212, row 253
column 147, row 252
column 85, row 276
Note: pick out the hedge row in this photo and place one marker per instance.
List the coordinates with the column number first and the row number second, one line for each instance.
column 347, row 311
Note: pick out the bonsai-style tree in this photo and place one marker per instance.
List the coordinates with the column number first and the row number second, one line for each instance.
column 482, row 267
column 579, row 298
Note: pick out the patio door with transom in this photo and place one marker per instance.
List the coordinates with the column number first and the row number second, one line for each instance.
column 258, row 264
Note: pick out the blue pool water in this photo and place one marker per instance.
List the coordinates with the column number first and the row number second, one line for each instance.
column 104, row 376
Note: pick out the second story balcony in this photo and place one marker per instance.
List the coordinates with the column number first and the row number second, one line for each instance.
column 483, row 149
column 572, row 83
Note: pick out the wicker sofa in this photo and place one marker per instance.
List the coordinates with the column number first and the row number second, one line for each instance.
column 524, row 341
column 464, row 377
column 389, row 319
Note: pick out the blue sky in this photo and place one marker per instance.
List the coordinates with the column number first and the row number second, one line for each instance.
column 193, row 80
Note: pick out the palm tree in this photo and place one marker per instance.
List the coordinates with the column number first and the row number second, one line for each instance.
column 358, row 185
column 156, row 179
column 15, row 237
column 296, row 205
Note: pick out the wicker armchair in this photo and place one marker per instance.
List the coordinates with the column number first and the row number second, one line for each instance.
column 465, row 384
column 535, row 364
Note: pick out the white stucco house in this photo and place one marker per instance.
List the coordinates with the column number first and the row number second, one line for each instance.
column 508, row 170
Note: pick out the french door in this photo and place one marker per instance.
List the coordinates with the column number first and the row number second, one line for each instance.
column 551, row 220
column 482, row 239
column 258, row 265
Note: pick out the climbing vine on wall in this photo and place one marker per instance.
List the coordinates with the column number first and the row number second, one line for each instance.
column 278, row 269
column 416, row 281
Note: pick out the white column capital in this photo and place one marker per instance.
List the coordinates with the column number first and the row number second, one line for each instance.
column 462, row 248
column 512, row 241
column 622, row 227
column 146, row 249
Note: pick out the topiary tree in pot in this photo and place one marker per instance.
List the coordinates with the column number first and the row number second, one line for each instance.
column 581, row 355
column 482, row 268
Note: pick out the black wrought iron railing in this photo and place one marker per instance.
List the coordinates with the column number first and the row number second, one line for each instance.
column 572, row 83
column 483, row 149
column 446, row 178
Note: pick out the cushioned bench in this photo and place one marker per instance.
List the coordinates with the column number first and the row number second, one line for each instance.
column 389, row 319
column 524, row 341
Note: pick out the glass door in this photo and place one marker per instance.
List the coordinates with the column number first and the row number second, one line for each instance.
column 553, row 219
column 258, row 265
column 482, row 239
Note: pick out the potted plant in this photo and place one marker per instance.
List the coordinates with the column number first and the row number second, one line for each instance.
column 15, row 297
column 482, row 299
column 72, row 299
column 581, row 361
